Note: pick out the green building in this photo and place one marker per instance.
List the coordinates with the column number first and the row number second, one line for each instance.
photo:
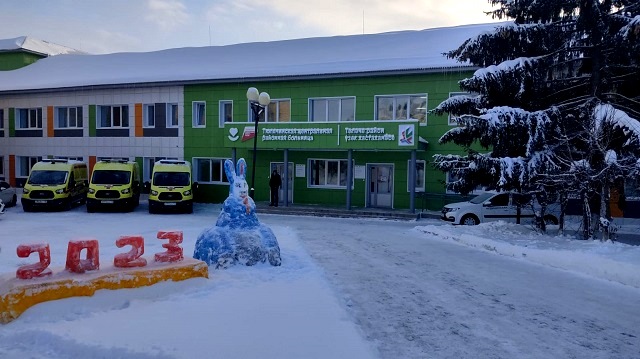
column 349, row 115
column 24, row 50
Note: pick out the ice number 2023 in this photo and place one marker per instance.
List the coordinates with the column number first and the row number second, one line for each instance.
column 76, row 264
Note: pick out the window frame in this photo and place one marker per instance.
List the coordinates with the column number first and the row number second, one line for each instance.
column 169, row 115
column 340, row 99
column 19, row 165
column 451, row 117
column 2, row 168
column 221, row 113
column 38, row 119
column 326, row 166
column 195, row 121
column 475, row 191
column 264, row 116
column 148, row 120
column 79, row 121
column 195, row 169
column 395, row 97
column 123, row 118
column 424, row 166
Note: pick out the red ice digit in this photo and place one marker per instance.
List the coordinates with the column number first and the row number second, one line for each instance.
column 39, row 269
column 133, row 257
column 77, row 265
column 174, row 251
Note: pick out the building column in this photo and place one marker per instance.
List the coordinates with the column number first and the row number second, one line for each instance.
column 349, row 177
column 412, row 182
column 285, row 179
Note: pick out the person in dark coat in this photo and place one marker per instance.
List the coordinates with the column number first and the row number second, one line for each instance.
column 275, row 182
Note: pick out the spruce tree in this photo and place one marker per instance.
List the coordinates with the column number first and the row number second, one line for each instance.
column 554, row 108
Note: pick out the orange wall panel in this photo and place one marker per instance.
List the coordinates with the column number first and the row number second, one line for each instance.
column 138, row 119
column 50, row 121
column 12, row 170
column 92, row 162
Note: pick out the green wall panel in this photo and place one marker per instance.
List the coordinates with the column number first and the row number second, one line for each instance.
column 16, row 60
column 212, row 141
column 92, row 120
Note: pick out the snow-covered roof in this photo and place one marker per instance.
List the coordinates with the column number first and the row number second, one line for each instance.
column 400, row 51
column 45, row 48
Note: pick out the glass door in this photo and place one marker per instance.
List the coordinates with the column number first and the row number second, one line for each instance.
column 380, row 179
column 279, row 166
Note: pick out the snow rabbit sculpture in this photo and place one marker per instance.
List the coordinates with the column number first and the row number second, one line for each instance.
column 238, row 236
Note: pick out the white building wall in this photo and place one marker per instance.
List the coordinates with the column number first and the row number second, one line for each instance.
column 94, row 146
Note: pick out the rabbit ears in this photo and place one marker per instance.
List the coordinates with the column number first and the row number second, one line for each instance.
column 239, row 172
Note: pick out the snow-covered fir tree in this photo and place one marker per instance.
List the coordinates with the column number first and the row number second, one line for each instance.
column 554, row 109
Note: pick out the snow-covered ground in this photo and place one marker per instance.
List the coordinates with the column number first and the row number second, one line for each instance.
column 348, row 288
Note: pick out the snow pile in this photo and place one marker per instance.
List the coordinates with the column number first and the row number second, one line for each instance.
column 238, row 236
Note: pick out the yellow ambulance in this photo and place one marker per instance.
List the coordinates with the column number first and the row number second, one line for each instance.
column 171, row 187
column 115, row 184
column 55, row 184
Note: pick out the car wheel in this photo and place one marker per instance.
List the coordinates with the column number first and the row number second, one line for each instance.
column 26, row 207
column 469, row 220
column 190, row 208
column 90, row 208
column 550, row 220
column 14, row 201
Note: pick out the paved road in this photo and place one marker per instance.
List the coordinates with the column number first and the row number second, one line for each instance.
column 419, row 297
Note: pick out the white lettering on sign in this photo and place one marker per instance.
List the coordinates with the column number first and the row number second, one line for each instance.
column 293, row 134
column 367, row 134
column 385, row 137
column 363, row 130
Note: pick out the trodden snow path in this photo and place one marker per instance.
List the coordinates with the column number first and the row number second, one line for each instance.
column 419, row 296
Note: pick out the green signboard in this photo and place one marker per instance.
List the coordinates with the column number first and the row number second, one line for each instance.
column 378, row 135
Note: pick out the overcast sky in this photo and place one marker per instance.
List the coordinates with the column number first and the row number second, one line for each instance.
column 105, row 26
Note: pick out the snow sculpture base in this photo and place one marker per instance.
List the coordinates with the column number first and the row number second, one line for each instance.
column 238, row 236
column 18, row 295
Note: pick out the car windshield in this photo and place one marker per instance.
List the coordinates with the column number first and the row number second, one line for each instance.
column 171, row 179
column 47, row 177
column 481, row 198
column 110, row 177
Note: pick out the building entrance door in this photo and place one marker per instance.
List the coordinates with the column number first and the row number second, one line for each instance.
column 380, row 189
column 279, row 166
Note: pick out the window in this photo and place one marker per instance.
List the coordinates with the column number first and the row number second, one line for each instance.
column 402, row 107
column 199, row 114
column 327, row 173
column 113, row 116
column 68, row 117
column 452, row 178
column 209, row 170
column 172, row 115
column 332, row 109
column 453, row 121
column 420, row 164
column 28, row 118
column 2, row 168
column 226, row 112
column 1, row 118
column 24, row 164
column 147, row 166
column 149, row 115
column 277, row 111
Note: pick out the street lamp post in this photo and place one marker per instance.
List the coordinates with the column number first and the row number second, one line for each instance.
column 258, row 102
